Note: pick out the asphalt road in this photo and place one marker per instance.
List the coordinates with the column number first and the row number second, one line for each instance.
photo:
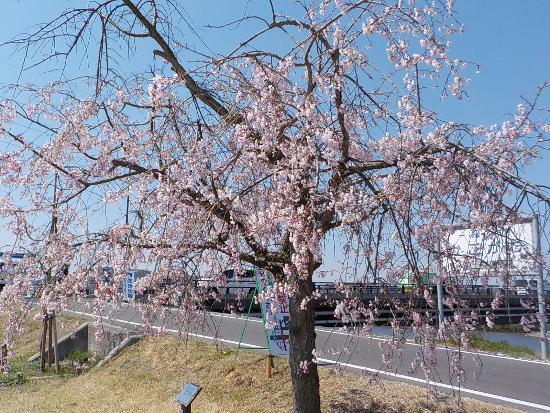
column 521, row 384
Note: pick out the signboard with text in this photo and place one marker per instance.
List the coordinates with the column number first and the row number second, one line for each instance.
column 276, row 317
column 187, row 394
column 129, row 290
column 507, row 249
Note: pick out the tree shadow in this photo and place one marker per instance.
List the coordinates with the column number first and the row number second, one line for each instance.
column 357, row 402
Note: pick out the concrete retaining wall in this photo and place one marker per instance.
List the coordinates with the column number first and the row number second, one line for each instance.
column 75, row 341
column 83, row 339
column 112, row 336
column 127, row 342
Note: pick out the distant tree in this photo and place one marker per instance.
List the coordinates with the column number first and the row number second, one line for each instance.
column 321, row 122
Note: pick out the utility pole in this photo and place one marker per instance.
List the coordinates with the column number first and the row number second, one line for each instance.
column 49, row 326
column 509, row 263
column 439, row 286
column 127, row 220
column 540, row 287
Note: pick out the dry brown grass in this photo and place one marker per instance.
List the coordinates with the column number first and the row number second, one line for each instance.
column 146, row 378
column 28, row 343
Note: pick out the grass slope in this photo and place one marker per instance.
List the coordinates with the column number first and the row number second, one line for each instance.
column 502, row 347
column 28, row 344
column 147, row 376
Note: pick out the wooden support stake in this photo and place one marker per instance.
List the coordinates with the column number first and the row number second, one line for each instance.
column 50, row 342
column 4, row 368
column 53, row 326
column 268, row 359
column 43, row 342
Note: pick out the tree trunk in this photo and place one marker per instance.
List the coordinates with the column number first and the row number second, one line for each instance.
column 302, row 342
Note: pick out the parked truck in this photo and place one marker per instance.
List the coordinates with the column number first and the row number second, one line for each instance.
column 231, row 282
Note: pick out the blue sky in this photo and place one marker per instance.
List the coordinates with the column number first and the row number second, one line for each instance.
column 509, row 39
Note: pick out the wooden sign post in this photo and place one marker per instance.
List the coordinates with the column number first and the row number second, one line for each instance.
column 268, row 363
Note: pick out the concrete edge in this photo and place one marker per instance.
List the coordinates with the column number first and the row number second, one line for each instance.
column 68, row 336
column 127, row 342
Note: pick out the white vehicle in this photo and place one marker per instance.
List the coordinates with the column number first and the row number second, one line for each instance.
column 35, row 288
column 3, row 276
column 103, row 285
column 521, row 290
column 524, row 287
column 231, row 283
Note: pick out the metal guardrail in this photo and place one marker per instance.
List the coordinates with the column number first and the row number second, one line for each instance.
column 473, row 290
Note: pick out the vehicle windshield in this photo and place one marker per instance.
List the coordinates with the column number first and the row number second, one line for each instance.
column 230, row 274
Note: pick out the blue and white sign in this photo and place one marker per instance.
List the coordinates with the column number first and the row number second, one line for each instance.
column 276, row 318
column 130, row 286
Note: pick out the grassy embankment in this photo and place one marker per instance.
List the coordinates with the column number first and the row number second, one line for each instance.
column 502, row 347
column 483, row 344
column 516, row 328
column 28, row 343
column 147, row 376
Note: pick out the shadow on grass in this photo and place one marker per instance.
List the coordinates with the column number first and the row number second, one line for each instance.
column 21, row 369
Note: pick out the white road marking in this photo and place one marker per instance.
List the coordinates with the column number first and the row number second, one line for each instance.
column 223, row 340
column 363, row 368
column 382, row 338
column 386, row 339
column 480, row 353
column 242, row 318
column 442, row 385
column 379, row 338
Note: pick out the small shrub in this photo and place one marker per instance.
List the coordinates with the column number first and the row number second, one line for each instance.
column 80, row 357
column 12, row 379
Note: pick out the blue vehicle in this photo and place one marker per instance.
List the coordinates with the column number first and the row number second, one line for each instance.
column 5, row 269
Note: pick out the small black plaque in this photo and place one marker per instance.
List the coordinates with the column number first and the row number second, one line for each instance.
column 188, row 393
